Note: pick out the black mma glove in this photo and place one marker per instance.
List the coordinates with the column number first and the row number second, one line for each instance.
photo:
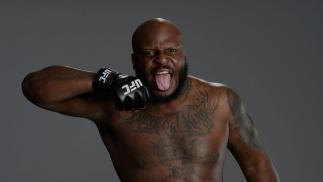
column 128, row 92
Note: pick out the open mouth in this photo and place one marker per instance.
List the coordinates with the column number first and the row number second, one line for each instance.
column 163, row 78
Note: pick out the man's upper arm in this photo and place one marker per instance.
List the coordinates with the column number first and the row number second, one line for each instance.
column 244, row 143
column 85, row 106
column 65, row 90
column 242, row 127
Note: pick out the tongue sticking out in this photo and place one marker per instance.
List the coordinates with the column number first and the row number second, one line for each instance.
column 163, row 81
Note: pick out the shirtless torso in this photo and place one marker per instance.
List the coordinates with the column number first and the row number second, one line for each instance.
column 183, row 143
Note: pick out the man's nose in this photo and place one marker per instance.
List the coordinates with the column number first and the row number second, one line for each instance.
column 161, row 58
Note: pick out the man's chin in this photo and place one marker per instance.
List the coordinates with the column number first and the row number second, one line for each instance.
column 162, row 95
column 175, row 90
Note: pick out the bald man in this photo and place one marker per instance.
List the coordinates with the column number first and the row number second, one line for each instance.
column 162, row 124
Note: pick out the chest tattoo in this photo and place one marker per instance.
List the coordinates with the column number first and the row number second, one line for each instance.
column 175, row 135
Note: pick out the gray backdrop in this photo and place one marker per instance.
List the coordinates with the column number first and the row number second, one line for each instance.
column 270, row 52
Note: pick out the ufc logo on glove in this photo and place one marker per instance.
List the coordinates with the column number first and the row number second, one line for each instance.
column 133, row 86
column 104, row 75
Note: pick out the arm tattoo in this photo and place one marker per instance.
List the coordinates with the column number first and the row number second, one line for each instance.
column 243, row 120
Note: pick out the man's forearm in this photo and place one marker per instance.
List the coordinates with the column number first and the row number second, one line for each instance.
column 56, row 83
column 261, row 169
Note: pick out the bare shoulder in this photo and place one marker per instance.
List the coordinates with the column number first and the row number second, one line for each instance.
column 220, row 93
column 216, row 88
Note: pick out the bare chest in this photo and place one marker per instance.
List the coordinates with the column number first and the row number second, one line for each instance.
column 187, row 144
column 196, row 132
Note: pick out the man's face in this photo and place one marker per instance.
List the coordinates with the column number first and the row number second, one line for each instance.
column 159, row 60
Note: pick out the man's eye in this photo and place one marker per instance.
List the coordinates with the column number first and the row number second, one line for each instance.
column 148, row 53
column 171, row 50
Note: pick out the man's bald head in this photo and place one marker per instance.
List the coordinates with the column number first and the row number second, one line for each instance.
column 149, row 30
